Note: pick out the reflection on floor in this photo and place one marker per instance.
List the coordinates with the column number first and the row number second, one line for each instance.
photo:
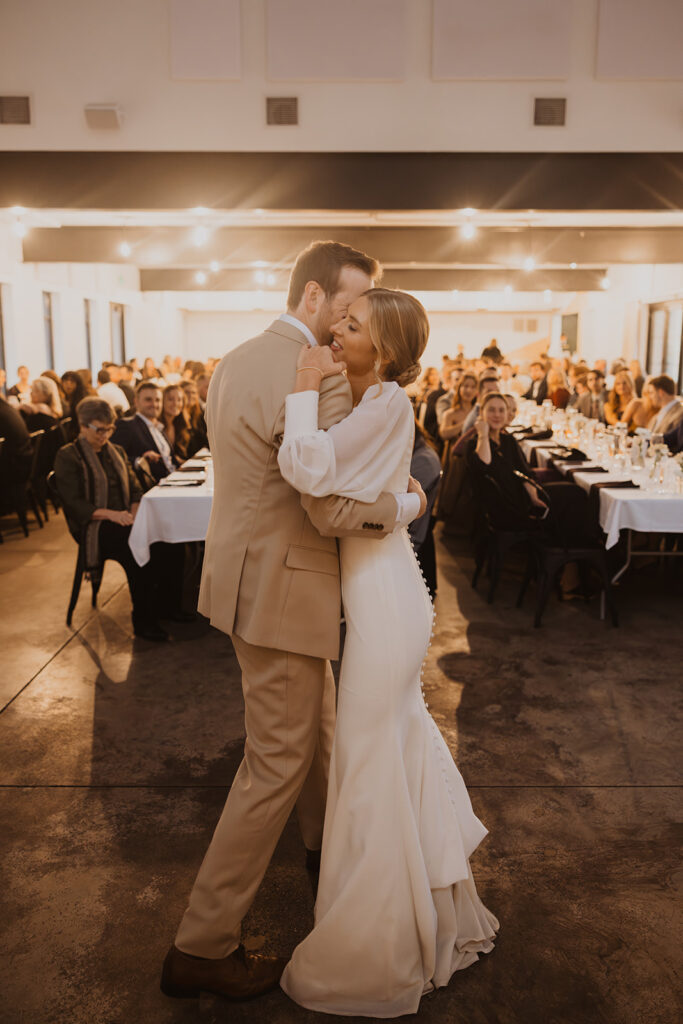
column 115, row 758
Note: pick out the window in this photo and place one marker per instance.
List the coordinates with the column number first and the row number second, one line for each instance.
column 664, row 341
column 87, row 309
column 49, row 331
column 118, row 339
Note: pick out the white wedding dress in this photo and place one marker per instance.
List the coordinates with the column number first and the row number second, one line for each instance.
column 397, row 910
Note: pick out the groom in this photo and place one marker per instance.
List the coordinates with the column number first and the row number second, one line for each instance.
column 271, row 581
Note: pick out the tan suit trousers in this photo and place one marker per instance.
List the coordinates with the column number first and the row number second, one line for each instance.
column 289, row 716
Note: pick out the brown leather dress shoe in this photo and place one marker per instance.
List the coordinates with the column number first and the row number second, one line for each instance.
column 241, row 975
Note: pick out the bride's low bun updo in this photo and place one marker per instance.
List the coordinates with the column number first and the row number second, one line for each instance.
column 399, row 330
column 410, row 374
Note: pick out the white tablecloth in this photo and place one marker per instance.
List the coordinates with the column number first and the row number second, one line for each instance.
column 529, row 447
column 626, row 509
column 586, row 480
column 171, row 514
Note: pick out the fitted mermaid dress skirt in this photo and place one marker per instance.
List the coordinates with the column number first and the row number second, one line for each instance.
column 397, row 911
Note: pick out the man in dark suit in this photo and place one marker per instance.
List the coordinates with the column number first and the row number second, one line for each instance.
column 538, row 392
column 142, row 435
column 100, row 494
column 592, row 404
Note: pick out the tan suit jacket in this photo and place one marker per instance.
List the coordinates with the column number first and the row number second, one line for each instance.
column 271, row 571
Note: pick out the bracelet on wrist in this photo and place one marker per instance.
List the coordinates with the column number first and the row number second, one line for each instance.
column 305, row 369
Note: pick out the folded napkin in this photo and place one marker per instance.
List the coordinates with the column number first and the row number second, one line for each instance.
column 594, row 493
column 585, row 469
column 568, row 454
column 540, row 435
column 168, row 482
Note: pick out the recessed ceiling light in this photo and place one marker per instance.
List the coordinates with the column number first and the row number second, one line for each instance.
column 259, row 277
column 214, row 266
column 125, row 249
column 455, row 293
column 17, row 210
column 19, row 229
column 200, row 277
column 605, row 283
column 259, row 263
column 529, row 263
column 508, row 289
column 200, row 210
column 468, row 231
column 469, row 211
column 271, row 279
column 572, row 266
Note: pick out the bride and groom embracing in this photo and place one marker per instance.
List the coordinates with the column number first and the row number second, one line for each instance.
column 312, row 483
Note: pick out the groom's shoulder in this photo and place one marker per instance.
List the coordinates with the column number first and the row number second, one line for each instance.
column 271, row 343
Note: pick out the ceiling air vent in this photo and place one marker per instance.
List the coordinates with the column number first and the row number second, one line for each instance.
column 550, row 112
column 282, row 110
column 15, row 110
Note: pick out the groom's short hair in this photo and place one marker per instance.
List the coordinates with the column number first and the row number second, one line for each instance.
column 323, row 262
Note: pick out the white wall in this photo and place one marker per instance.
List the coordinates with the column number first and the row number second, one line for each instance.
column 70, row 53
column 215, row 333
column 153, row 322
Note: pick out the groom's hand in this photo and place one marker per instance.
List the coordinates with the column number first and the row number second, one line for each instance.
column 415, row 487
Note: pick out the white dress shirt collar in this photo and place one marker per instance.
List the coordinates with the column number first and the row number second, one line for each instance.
column 160, row 440
column 306, row 331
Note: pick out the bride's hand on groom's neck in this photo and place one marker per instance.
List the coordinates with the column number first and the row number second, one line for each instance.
column 313, row 365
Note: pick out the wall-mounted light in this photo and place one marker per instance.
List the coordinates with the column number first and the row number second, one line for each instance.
column 200, row 277
column 214, row 266
column 125, row 249
column 529, row 263
column 605, row 283
column 468, row 230
column 572, row 266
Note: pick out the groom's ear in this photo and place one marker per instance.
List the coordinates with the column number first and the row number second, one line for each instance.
column 313, row 296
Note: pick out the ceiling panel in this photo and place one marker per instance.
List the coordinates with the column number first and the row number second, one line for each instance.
column 401, row 245
column 342, row 181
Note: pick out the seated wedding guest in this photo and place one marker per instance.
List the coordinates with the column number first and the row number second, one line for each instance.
column 492, row 354
column 558, row 392
column 45, row 408
column 538, row 392
column 670, row 407
column 203, row 381
column 461, row 405
column 17, row 450
column 507, row 382
column 100, row 494
column 514, row 502
column 111, row 392
column 3, row 383
column 143, row 435
column 57, row 381
column 429, row 420
column 619, row 399
column 22, row 389
column 425, row 467
column 487, row 382
column 137, row 372
column 641, row 412
column 451, row 375
column 74, row 392
column 195, row 413
column 149, row 370
column 428, row 383
column 636, row 372
column 86, row 376
column 126, row 381
column 175, row 422
column 592, row 403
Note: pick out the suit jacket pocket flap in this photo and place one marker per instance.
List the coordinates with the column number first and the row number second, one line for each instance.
column 312, row 559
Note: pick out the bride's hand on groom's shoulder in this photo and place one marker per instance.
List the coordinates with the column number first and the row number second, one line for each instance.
column 320, row 359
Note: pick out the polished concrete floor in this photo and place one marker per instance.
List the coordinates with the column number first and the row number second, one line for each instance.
column 116, row 755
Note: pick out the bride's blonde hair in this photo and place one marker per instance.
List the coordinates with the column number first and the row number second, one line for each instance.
column 399, row 329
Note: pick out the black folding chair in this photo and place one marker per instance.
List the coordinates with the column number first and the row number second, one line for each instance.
column 79, row 536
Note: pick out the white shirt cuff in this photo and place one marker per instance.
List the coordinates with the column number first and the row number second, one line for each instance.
column 408, row 509
column 301, row 414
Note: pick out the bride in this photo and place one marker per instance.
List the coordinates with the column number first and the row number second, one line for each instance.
column 397, row 910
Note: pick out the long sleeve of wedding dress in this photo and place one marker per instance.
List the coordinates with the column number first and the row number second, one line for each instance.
column 355, row 458
column 397, row 911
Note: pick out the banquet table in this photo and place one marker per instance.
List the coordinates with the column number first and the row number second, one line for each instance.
column 175, row 511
